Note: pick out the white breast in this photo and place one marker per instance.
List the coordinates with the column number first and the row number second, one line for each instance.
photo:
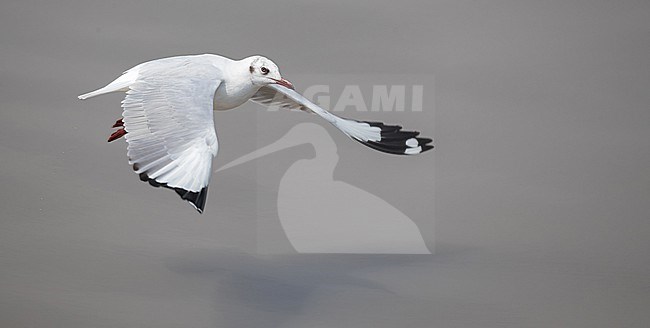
column 231, row 95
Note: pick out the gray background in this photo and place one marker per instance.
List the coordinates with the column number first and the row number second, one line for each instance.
column 540, row 174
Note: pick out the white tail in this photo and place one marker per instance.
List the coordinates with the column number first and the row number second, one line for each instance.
column 94, row 93
column 122, row 83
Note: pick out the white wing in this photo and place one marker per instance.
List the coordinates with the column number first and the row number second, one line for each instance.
column 170, row 132
column 385, row 138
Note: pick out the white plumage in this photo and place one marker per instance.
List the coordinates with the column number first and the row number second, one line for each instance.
column 167, row 116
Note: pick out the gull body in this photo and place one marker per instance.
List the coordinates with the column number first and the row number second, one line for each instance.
column 167, row 117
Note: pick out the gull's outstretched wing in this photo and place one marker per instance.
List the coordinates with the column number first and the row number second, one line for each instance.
column 170, row 132
column 385, row 138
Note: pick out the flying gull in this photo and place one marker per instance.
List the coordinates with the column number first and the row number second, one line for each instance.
column 167, row 116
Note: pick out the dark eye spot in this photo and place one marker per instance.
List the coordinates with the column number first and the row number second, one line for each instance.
column 264, row 70
column 251, row 69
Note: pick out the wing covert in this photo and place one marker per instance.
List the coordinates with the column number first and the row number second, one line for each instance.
column 268, row 96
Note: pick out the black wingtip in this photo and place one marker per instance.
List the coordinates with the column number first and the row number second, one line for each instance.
column 385, row 128
column 396, row 141
column 196, row 199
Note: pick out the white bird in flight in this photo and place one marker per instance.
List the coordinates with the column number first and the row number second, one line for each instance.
column 167, row 116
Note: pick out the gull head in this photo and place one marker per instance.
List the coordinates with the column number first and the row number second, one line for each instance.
column 263, row 71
